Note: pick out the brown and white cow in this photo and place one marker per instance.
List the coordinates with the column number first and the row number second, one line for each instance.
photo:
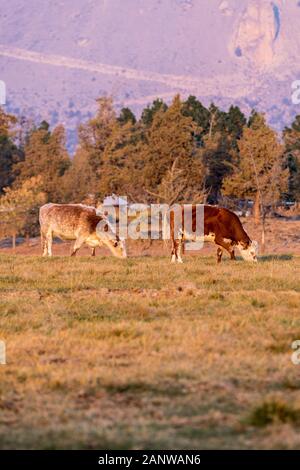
column 80, row 223
column 220, row 226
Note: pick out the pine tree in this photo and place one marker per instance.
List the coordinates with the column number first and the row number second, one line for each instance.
column 199, row 113
column 107, row 158
column 291, row 136
column 19, row 207
column 175, row 187
column 116, row 160
column 259, row 173
column 9, row 152
column 201, row 116
column 45, row 156
column 93, row 138
column 126, row 116
column 217, row 155
column 149, row 112
column 170, row 138
column 233, row 124
column 78, row 181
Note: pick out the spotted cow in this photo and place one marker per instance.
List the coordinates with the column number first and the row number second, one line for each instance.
column 220, row 226
column 81, row 223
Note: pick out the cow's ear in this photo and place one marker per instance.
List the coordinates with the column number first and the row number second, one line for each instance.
column 105, row 228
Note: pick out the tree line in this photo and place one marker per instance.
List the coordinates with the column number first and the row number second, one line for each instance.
column 184, row 152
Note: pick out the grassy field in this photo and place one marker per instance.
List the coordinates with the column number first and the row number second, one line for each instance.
column 111, row 354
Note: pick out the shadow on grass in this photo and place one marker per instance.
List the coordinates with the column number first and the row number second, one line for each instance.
column 287, row 257
column 143, row 387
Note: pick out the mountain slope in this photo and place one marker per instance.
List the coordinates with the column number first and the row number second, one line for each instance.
column 57, row 57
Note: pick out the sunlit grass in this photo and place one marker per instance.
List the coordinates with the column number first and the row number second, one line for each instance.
column 106, row 353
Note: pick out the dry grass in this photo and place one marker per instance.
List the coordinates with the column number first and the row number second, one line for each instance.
column 105, row 353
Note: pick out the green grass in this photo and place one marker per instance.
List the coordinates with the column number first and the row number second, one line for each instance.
column 140, row 353
column 274, row 411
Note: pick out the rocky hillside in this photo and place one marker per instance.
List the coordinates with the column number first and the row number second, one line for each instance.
column 57, row 56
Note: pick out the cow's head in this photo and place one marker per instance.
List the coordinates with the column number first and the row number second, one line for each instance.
column 108, row 237
column 249, row 251
column 118, row 247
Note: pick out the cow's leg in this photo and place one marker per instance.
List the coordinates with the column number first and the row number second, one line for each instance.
column 77, row 245
column 226, row 245
column 220, row 253
column 173, row 259
column 44, row 244
column 179, row 249
column 49, row 240
column 230, row 248
column 94, row 252
column 176, row 250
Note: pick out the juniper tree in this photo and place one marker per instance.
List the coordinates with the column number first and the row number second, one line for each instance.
column 45, row 155
column 217, row 155
column 170, row 138
column 93, row 138
column 19, row 207
column 150, row 111
column 175, row 187
column 126, row 115
column 259, row 172
column 9, row 152
column 291, row 136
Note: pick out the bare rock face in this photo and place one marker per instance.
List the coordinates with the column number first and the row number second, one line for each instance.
column 244, row 52
column 185, row 4
column 225, row 8
column 256, row 33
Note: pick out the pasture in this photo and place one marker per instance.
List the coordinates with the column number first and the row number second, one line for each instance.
column 120, row 354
